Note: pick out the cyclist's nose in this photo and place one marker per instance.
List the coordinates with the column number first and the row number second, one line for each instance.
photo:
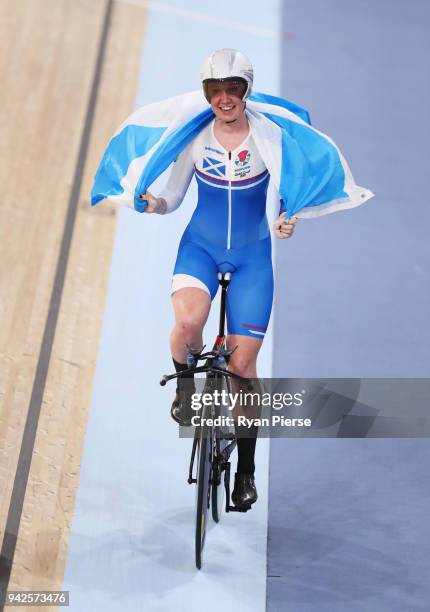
column 224, row 96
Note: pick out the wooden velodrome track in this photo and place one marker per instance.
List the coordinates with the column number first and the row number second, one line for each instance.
column 68, row 73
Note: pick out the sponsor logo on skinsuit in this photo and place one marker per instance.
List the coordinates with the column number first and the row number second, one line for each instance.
column 242, row 158
column 214, row 150
column 242, row 163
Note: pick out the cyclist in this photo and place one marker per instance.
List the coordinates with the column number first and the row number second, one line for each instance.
column 228, row 231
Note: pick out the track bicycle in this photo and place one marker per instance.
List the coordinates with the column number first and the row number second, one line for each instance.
column 212, row 444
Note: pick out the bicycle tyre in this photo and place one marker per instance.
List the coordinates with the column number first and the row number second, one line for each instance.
column 218, row 487
column 203, row 492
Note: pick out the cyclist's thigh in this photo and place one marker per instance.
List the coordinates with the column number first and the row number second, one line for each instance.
column 191, row 306
column 195, row 268
column 250, row 294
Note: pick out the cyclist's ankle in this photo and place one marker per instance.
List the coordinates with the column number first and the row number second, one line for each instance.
column 246, row 441
column 181, row 367
column 186, row 382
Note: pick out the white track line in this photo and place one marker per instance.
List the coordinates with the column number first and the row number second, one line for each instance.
column 163, row 7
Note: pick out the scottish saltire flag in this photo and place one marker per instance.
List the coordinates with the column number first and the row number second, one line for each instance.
column 308, row 170
column 213, row 166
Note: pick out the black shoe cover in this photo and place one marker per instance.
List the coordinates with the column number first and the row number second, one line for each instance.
column 244, row 492
column 181, row 410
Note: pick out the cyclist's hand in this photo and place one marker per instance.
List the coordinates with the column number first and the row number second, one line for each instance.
column 284, row 228
column 154, row 205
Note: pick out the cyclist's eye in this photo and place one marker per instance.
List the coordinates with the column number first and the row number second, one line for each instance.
column 234, row 90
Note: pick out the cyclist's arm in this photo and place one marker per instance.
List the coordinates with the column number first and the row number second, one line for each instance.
column 179, row 180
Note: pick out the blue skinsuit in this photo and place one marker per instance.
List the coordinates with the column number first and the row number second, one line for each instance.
column 228, row 230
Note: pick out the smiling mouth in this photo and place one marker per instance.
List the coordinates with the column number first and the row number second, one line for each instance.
column 226, row 108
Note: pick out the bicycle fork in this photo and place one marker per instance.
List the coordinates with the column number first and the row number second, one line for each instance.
column 192, row 480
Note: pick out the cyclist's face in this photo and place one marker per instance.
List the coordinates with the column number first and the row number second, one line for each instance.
column 226, row 99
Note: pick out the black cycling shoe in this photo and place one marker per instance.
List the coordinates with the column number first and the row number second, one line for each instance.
column 181, row 410
column 244, row 492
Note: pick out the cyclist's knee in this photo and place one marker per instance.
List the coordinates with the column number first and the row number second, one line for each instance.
column 243, row 364
column 243, row 360
column 189, row 323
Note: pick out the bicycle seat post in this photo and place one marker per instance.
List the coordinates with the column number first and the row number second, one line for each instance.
column 224, row 280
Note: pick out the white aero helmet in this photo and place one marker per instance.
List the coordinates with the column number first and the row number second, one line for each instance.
column 227, row 64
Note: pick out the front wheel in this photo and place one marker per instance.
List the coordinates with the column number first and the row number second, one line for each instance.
column 203, row 491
